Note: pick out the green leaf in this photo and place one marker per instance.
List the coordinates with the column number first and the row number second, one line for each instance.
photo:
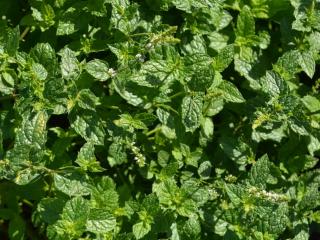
column 87, row 100
column 175, row 233
column 72, row 184
column 201, row 79
column 76, row 209
column 307, row 63
column 100, row 221
column 273, row 84
column 127, row 121
column 196, row 46
column 73, row 218
column 191, row 111
column 260, row 173
column 6, row 83
column 236, row 150
column 187, row 208
column 70, row 67
column 314, row 144
column 230, row 92
column 204, row 170
column 245, row 24
column 45, row 55
column 125, row 16
column 235, row 193
column 117, row 153
column 87, row 160
column 183, row 5
column 273, row 218
column 26, row 176
column 224, row 58
column 165, row 191
column 206, row 132
column 191, row 229
column 288, row 64
column 159, row 119
column 312, row 103
column 140, row 229
column 39, row 72
column 98, row 69
column 89, row 126
column 10, row 40
column 49, row 209
column 65, row 28
column 33, row 130
column 104, row 196
column 218, row 41
column 220, row 17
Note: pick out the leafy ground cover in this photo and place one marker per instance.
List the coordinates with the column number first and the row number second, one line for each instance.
column 159, row 119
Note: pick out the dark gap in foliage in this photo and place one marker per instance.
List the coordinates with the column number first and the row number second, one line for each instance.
column 162, row 235
column 102, row 55
column 29, row 40
column 233, row 13
column 62, row 41
column 78, row 142
column 173, row 17
column 7, row 103
column 4, row 227
column 147, row 13
column 268, row 146
column 315, row 236
column 32, row 232
column 7, row 144
column 233, row 76
column 314, row 230
column 303, row 77
column 262, row 25
column 317, row 166
column 304, row 88
column 101, row 155
column 13, row 10
column 59, row 121
column 306, row 80
column 230, row 74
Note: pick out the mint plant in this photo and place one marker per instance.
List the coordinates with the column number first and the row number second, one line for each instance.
column 163, row 119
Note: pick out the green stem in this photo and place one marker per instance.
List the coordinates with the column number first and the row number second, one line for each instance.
column 166, row 107
column 24, row 33
column 153, row 131
column 113, row 107
column 177, row 95
column 27, row 202
column 139, row 34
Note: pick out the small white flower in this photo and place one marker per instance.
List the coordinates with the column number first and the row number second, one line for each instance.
column 140, row 57
column 149, row 46
column 4, row 17
column 112, row 72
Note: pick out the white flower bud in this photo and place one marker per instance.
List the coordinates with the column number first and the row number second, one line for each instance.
column 149, row 46
column 140, row 57
column 112, row 72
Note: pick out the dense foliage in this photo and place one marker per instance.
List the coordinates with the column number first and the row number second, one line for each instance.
column 159, row 119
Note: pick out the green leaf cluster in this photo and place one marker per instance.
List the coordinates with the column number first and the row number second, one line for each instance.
column 159, row 119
